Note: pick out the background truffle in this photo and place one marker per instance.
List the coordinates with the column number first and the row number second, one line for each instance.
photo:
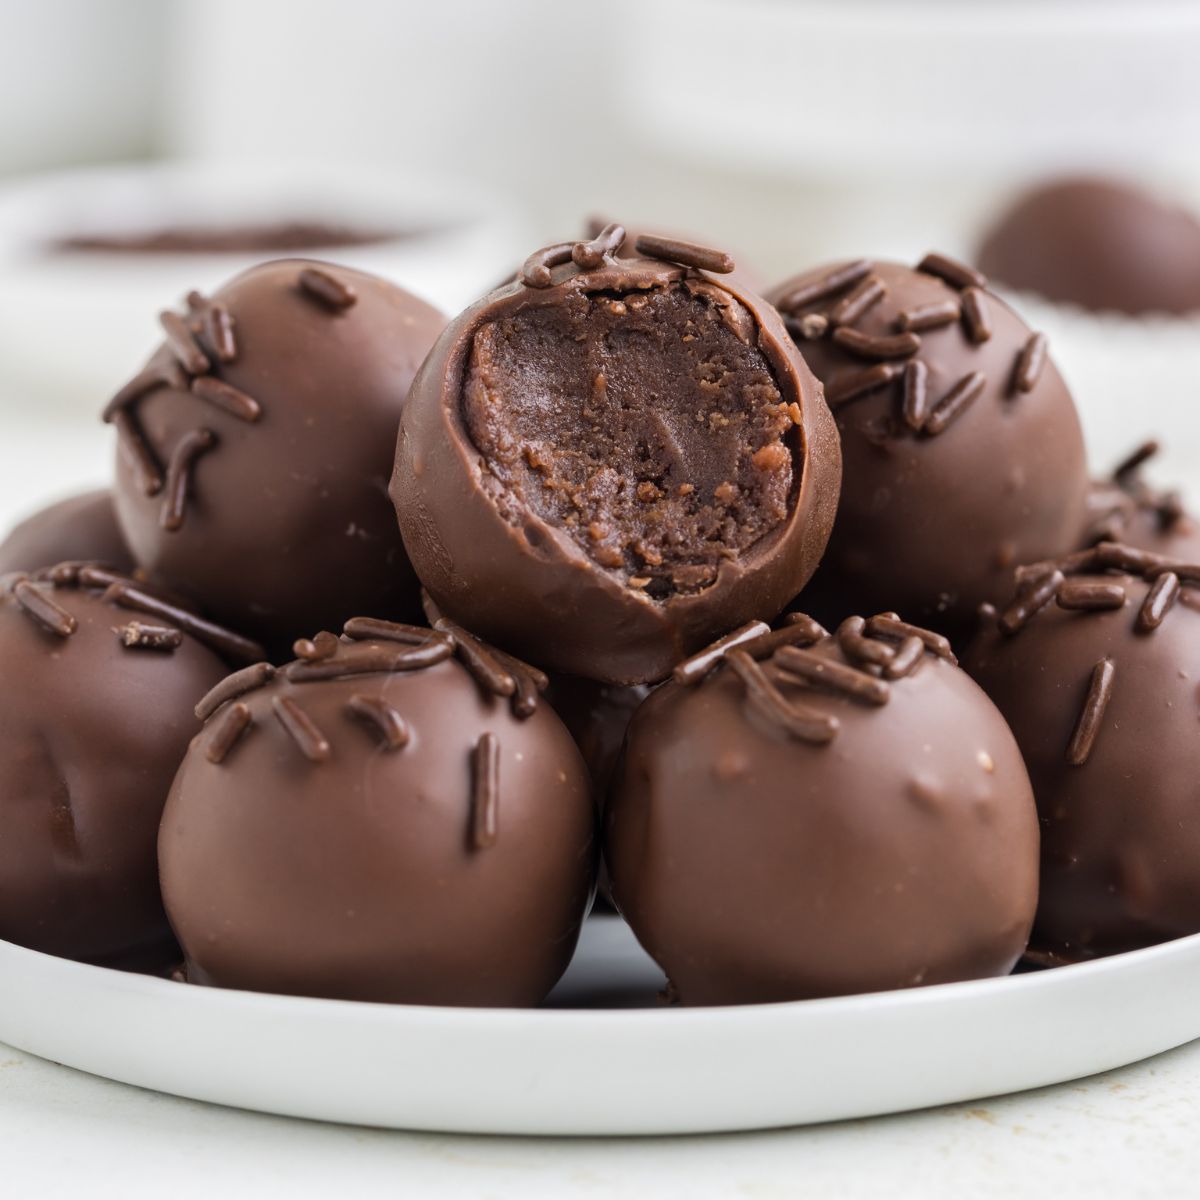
column 95, row 716
column 1098, row 243
column 381, row 821
column 255, row 448
column 962, row 449
column 1097, row 670
column 823, row 815
column 81, row 528
column 606, row 465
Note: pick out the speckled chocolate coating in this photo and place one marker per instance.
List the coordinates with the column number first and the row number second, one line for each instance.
column 755, row 867
column 287, row 526
column 89, row 744
column 527, row 586
column 1120, row 836
column 1098, row 243
column 933, row 525
column 81, row 528
column 359, row 876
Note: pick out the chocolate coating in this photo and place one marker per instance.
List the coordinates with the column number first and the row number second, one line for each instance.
column 756, row 866
column 355, row 854
column 1098, row 243
column 91, row 740
column 284, row 524
column 597, row 716
column 81, row 528
column 604, row 473
column 1120, row 837
column 932, row 520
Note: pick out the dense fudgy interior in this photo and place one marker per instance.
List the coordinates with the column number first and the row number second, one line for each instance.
column 646, row 424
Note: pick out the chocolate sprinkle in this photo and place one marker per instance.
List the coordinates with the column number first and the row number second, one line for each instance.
column 929, row 316
column 50, row 616
column 240, row 683
column 692, row 670
column 833, row 676
column 853, row 306
column 915, row 394
column 218, row 328
column 234, row 723
column 226, row 397
column 381, row 719
column 179, row 476
column 1031, row 598
column 1098, row 695
column 955, row 402
column 329, row 291
column 1159, row 601
column 588, row 256
column 134, row 444
column 479, row 659
column 807, row 328
column 301, row 728
column 485, row 792
column 686, row 254
column 889, row 625
column 828, row 285
column 324, row 645
column 360, row 659
column 850, row 385
column 1131, row 463
column 367, row 628
column 1030, row 362
column 860, row 649
column 535, row 272
column 764, row 697
column 181, row 341
column 1090, row 597
column 877, row 346
column 794, row 634
column 975, row 316
column 137, row 636
column 955, row 273
column 909, row 657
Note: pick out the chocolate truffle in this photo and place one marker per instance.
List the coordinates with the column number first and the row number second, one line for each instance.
column 800, row 815
column 81, row 528
column 1125, row 508
column 608, row 462
column 962, row 450
column 392, row 817
column 1096, row 665
column 1098, row 243
column 255, row 448
column 97, row 713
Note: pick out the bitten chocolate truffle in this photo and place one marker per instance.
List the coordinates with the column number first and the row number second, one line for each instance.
column 801, row 815
column 1098, row 243
column 1096, row 665
column 395, row 816
column 608, row 462
column 962, row 450
column 101, row 682
column 1125, row 508
column 81, row 528
column 254, row 448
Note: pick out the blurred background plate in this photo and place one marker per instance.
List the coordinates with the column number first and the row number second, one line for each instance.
column 603, row 1072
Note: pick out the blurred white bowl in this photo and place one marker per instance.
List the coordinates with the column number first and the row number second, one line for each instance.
column 74, row 324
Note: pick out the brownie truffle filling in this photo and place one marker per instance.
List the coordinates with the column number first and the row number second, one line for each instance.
column 646, row 425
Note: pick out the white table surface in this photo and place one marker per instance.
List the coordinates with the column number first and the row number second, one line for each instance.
column 1129, row 1133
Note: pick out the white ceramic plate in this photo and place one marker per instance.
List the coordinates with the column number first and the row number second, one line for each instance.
column 595, row 1071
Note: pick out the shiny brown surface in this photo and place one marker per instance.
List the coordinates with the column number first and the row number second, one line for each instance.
column 932, row 525
column 81, row 528
column 1098, row 243
column 287, row 527
column 757, row 868
column 1121, row 832
column 90, row 740
column 358, row 877
column 526, row 584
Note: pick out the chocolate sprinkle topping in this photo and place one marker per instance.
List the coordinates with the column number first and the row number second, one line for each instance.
column 226, row 397
column 764, row 697
column 857, row 303
column 240, row 683
column 866, row 345
column 588, row 256
column 182, row 343
column 1029, row 364
column 975, row 315
column 850, row 385
column 479, row 659
column 915, row 394
column 135, row 445
column 324, row 645
column 137, row 636
column 50, row 616
column 218, row 328
column 381, row 719
column 1032, row 596
column 955, row 273
column 693, row 670
column 929, row 316
column 836, row 677
column 326, row 289
column 300, row 727
column 179, row 476
column 686, row 254
column 1088, row 597
column 234, row 723
column 808, row 327
column 360, row 659
column 889, row 625
column 1159, row 601
column 485, row 792
column 1098, row 695
column 909, row 657
column 535, row 272
column 955, row 402
column 860, row 649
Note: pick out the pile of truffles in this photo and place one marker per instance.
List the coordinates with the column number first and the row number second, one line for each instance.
column 397, row 637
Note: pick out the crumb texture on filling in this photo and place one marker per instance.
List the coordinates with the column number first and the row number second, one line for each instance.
column 646, row 425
